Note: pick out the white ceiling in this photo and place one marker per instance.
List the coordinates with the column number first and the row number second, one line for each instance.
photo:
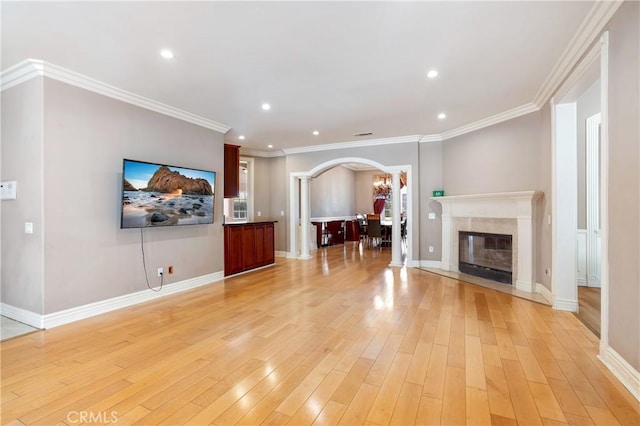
column 337, row 67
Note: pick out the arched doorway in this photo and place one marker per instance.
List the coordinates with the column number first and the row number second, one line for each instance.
column 299, row 197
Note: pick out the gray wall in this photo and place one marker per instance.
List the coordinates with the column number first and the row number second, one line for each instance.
column 364, row 190
column 499, row 158
column 86, row 136
column 22, row 155
column 587, row 105
column 624, row 184
column 269, row 195
column 430, row 180
column 278, row 196
column 333, row 193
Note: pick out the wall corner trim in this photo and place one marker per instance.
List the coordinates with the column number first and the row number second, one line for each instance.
column 544, row 292
column 67, row 316
column 22, row 315
column 628, row 376
column 31, row 68
column 565, row 305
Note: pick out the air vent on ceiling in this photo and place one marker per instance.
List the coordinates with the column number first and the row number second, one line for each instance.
column 363, row 134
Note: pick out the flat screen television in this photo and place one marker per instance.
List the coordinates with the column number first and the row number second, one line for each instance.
column 161, row 195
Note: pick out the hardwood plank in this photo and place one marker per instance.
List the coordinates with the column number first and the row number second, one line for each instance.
column 352, row 381
column 453, row 403
column 530, row 365
column 523, row 401
column 406, row 408
column 359, row 407
column 383, row 406
column 474, row 367
column 317, row 401
column 434, row 382
column 330, row 414
column 545, row 400
column 429, row 411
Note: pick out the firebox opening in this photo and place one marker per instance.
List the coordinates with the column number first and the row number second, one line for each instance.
column 486, row 256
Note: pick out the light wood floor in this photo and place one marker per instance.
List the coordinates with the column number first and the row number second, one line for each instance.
column 339, row 339
column 589, row 308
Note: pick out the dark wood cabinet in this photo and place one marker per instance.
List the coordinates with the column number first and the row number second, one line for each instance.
column 248, row 246
column 352, row 230
column 329, row 233
column 231, row 171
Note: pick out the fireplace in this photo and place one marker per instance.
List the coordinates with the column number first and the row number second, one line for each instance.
column 486, row 255
column 511, row 213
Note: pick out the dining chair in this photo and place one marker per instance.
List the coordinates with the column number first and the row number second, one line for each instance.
column 374, row 230
column 362, row 226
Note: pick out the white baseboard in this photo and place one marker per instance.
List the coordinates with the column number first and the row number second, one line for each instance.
column 523, row 286
column 67, row 316
column 291, row 255
column 430, row 264
column 22, row 315
column 413, row 264
column 281, row 253
column 628, row 376
column 544, row 292
column 565, row 305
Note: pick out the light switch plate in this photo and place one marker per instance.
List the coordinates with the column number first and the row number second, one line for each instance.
column 28, row 227
column 8, row 190
column 432, row 216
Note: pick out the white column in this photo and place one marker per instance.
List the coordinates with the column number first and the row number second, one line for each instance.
column 525, row 280
column 293, row 217
column 396, row 241
column 304, row 217
column 447, row 229
column 564, row 207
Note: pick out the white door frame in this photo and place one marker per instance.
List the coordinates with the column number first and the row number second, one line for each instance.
column 561, row 216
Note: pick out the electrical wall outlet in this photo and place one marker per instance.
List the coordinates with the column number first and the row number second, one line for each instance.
column 160, row 272
column 430, row 249
column 8, row 190
column 432, row 216
column 259, row 213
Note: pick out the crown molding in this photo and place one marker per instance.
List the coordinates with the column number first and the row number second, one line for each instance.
column 490, row 121
column 430, row 138
column 259, row 153
column 352, row 144
column 594, row 23
column 32, row 68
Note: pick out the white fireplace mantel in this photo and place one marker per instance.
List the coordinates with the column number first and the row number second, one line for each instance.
column 503, row 205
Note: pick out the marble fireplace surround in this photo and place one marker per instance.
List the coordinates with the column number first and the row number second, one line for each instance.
column 510, row 213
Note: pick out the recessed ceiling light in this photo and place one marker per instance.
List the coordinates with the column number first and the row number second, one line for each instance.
column 269, row 146
column 266, row 107
column 241, row 137
column 432, row 74
column 316, row 133
column 166, row 53
column 442, row 116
